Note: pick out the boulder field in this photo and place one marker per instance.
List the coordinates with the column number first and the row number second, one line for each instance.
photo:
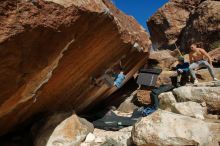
column 177, row 122
column 183, row 118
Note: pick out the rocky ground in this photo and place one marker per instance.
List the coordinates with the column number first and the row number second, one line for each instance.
column 49, row 53
column 188, row 115
column 184, row 118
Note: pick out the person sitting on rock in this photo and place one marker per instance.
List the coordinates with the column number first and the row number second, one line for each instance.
column 182, row 69
column 196, row 57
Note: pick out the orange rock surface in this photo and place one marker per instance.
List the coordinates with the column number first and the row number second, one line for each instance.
column 50, row 50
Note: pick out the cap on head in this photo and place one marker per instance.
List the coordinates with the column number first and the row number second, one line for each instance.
column 181, row 59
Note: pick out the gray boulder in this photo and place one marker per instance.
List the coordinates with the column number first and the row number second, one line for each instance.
column 209, row 95
column 63, row 130
column 167, row 100
column 165, row 128
column 191, row 109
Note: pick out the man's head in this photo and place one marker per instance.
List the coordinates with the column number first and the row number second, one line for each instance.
column 181, row 60
column 193, row 47
column 122, row 69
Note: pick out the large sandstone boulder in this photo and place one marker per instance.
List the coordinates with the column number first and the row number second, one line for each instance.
column 61, row 129
column 186, row 21
column 166, row 24
column 50, row 50
column 166, row 128
column 165, row 58
column 210, row 95
column 203, row 25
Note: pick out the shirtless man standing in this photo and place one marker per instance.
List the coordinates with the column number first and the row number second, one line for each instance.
column 196, row 58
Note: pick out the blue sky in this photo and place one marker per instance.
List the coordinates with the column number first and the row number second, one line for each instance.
column 140, row 9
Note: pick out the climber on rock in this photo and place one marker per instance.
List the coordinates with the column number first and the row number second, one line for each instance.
column 182, row 69
column 119, row 78
column 35, row 2
column 110, row 79
column 196, row 57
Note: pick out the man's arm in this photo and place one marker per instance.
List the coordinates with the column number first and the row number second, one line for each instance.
column 206, row 55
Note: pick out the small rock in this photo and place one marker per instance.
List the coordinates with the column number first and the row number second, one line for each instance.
column 85, row 144
column 191, row 109
column 98, row 140
column 90, row 138
column 122, row 137
column 128, row 106
column 210, row 116
column 167, row 100
column 143, row 97
column 203, row 104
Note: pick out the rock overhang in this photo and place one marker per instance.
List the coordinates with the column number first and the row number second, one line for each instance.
column 53, row 49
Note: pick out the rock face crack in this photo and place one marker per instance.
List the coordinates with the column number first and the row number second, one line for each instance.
column 28, row 93
column 49, row 74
